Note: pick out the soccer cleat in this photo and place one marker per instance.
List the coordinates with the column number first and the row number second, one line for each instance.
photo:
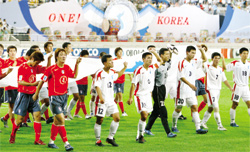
column 39, row 142
column 99, row 143
column 69, row 116
column 204, row 126
column 5, row 123
column 42, row 119
column 12, row 139
column 29, row 121
column 174, row 129
column 87, row 116
column 48, row 121
column 222, row 128
column 141, row 139
column 124, row 114
column 24, row 125
column 68, row 147
column 77, row 116
column 234, row 125
column 181, row 117
column 171, row 135
column 112, row 142
column 201, row 131
column 148, row 132
column 52, row 146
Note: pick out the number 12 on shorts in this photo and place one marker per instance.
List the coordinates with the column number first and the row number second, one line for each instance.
column 100, row 111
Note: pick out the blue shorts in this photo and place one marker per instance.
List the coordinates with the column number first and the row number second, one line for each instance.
column 24, row 103
column 200, row 88
column 82, row 89
column 58, row 104
column 1, row 95
column 118, row 87
column 12, row 95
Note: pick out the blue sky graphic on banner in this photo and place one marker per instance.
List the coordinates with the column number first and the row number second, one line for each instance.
column 227, row 20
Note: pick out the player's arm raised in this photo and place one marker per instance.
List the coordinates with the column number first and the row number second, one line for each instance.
column 76, row 66
column 132, row 89
column 203, row 55
column 188, row 83
column 120, row 73
column 153, row 51
column 223, row 62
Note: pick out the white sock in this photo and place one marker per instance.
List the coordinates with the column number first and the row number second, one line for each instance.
column 141, row 127
column 180, row 114
column 217, row 119
column 51, row 141
column 248, row 110
column 43, row 108
column 197, row 120
column 97, row 129
column 113, row 128
column 138, row 133
column 232, row 115
column 206, row 117
column 66, row 143
column 90, row 106
column 175, row 119
column 71, row 105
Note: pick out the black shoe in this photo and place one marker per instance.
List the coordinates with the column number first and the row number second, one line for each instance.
column 29, row 121
column 49, row 120
column 43, row 119
column 24, row 125
column 99, row 143
column 141, row 139
column 112, row 142
column 182, row 117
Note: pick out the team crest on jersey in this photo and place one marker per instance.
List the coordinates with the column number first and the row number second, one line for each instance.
column 62, row 71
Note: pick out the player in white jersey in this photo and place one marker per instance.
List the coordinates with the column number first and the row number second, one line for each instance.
column 241, row 73
column 186, row 88
column 105, row 105
column 142, row 87
column 214, row 76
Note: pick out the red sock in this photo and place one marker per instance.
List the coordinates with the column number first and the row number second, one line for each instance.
column 202, row 106
column 78, row 107
column 6, row 117
column 14, row 127
column 46, row 113
column 54, row 132
column 13, row 121
column 38, row 129
column 121, row 106
column 26, row 117
column 83, row 108
column 62, row 132
column 115, row 101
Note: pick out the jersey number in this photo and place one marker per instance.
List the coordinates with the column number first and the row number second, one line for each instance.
column 162, row 103
column 143, row 105
column 100, row 111
column 213, row 98
column 236, row 97
column 109, row 84
column 190, row 73
column 217, row 76
column 244, row 73
column 180, row 101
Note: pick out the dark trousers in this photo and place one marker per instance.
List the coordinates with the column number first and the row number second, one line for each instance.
column 159, row 108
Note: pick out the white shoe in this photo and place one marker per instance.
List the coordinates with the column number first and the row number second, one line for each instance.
column 77, row 116
column 204, row 126
column 222, row 128
column 87, row 116
column 124, row 114
column 69, row 116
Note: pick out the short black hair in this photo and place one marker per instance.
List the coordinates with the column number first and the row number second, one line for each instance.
column 189, row 48
column 215, row 54
column 37, row 56
column 145, row 54
column 65, row 44
column 11, row 47
column 46, row 44
column 105, row 57
column 102, row 54
column 34, row 47
column 243, row 49
column 1, row 45
column 162, row 50
column 30, row 51
column 84, row 52
column 117, row 49
column 150, row 46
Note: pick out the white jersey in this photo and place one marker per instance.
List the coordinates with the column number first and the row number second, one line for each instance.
column 105, row 81
column 241, row 72
column 144, row 79
column 214, row 77
column 187, row 70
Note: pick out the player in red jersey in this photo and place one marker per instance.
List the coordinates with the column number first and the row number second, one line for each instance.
column 57, row 77
column 27, row 87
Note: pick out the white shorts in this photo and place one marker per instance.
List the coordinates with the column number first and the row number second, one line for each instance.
column 72, row 88
column 43, row 94
column 144, row 103
column 213, row 98
column 106, row 109
column 240, row 92
column 186, row 101
column 171, row 90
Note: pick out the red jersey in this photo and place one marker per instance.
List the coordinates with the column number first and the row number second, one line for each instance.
column 8, row 63
column 2, row 66
column 21, row 59
column 121, row 79
column 83, row 81
column 28, row 74
column 57, row 79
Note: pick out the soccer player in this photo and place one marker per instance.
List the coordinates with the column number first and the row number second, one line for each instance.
column 241, row 73
column 57, row 77
column 186, row 88
column 27, row 87
column 159, row 94
column 105, row 105
column 142, row 87
column 82, row 85
column 214, row 76
column 119, row 84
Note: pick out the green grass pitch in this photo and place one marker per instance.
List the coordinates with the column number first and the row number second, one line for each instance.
column 81, row 135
